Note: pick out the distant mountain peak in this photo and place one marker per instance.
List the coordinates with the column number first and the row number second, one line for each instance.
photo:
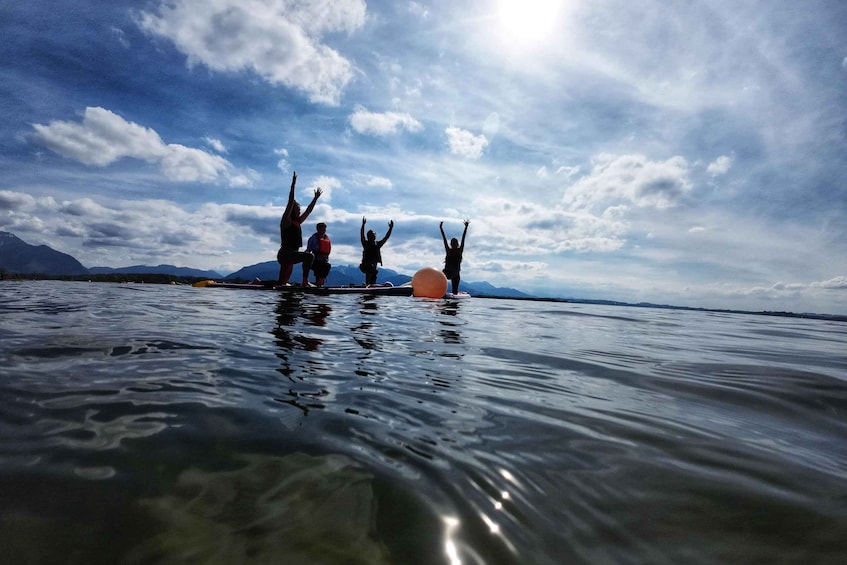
column 161, row 269
column 18, row 256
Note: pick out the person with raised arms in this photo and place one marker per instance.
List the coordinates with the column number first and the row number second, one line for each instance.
column 291, row 237
column 371, row 255
column 453, row 257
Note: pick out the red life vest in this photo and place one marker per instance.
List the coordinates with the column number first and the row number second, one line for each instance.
column 324, row 248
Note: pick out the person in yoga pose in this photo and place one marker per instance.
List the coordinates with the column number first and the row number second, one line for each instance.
column 291, row 237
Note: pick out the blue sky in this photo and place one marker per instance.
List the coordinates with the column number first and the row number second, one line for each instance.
column 690, row 153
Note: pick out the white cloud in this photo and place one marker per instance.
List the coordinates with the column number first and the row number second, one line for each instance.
column 568, row 172
column 246, row 179
column 531, row 228
column 631, row 178
column 371, row 180
column 120, row 233
column 720, row 165
column 216, row 144
column 386, row 123
column 380, row 181
column 788, row 287
column 781, row 289
column 279, row 40
column 465, row 143
column 185, row 164
column 283, row 164
column 12, row 201
column 103, row 137
column 327, row 184
column 837, row 283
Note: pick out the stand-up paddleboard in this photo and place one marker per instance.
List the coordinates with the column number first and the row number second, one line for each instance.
column 377, row 289
column 457, row 296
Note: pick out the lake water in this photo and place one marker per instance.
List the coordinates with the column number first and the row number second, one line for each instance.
column 169, row 424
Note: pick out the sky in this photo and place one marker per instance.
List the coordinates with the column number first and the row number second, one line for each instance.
column 691, row 153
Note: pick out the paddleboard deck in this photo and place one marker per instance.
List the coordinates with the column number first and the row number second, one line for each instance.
column 458, row 295
column 387, row 289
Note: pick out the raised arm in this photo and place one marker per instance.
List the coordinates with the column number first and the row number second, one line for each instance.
column 362, row 232
column 286, row 216
column 311, row 206
column 388, row 233
column 464, row 233
column 443, row 237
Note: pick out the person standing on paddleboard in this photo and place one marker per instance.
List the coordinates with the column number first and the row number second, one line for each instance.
column 320, row 246
column 371, row 255
column 453, row 259
column 291, row 237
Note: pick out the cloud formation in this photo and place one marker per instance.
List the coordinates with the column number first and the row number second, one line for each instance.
column 120, row 233
column 381, row 124
column 687, row 157
column 281, row 41
column 465, row 144
column 720, row 166
column 631, row 179
column 836, row 283
column 103, row 137
column 216, row 144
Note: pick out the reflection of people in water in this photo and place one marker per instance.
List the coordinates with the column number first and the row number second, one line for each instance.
column 316, row 314
column 320, row 246
column 453, row 258
column 291, row 237
column 290, row 312
column 451, row 309
column 371, row 255
column 364, row 333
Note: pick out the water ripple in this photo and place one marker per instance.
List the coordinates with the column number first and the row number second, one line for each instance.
column 492, row 431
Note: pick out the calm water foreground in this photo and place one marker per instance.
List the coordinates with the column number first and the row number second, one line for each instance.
column 168, row 424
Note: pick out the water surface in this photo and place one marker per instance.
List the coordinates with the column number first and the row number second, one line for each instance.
column 168, row 424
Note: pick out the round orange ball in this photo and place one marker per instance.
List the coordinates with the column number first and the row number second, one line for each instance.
column 429, row 282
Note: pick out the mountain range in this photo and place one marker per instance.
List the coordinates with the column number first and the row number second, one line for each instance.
column 17, row 256
column 20, row 258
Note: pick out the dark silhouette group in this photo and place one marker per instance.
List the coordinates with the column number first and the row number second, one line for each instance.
column 316, row 256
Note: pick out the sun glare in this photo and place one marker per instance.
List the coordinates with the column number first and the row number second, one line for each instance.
column 528, row 20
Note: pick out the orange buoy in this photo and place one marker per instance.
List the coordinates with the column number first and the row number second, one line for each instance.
column 429, row 282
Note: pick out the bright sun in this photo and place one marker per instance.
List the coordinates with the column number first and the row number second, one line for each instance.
column 528, row 20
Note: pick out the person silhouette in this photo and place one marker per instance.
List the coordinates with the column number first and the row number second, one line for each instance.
column 371, row 254
column 453, row 257
column 291, row 237
column 320, row 246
